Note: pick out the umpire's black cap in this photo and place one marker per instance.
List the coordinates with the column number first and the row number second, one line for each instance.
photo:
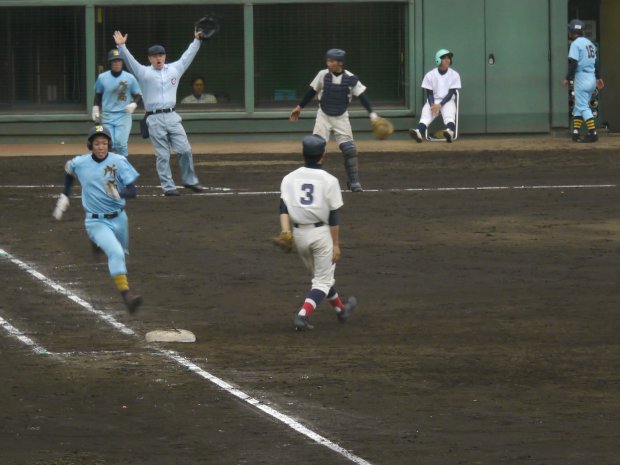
column 313, row 147
column 156, row 50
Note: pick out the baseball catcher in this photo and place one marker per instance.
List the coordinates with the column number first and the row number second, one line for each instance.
column 207, row 26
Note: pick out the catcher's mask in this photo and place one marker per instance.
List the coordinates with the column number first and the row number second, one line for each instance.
column 95, row 131
column 313, row 148
column 576, row 27
column 336, row 54
column 442, row 53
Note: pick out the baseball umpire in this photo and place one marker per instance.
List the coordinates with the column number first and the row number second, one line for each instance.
column 117, row 94
column 107, row 179
column 583, row 70
column 159, row 83
column 335, row 87
column 310, row 199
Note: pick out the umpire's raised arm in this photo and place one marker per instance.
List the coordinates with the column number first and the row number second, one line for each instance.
column 134, row 66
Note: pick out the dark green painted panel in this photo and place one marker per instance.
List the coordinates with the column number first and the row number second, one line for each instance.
column 459, row 27
column 517, row 36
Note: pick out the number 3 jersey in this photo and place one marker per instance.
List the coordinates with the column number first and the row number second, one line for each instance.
column 310, row 193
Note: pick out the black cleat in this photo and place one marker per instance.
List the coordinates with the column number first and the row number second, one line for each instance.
column 343, row 315
column 300, row 323
column 132, row 302
column 195, row 187
column 172, row 193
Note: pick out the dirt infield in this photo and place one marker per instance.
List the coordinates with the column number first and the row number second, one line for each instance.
column 486, row 331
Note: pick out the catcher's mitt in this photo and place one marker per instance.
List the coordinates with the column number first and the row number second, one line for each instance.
column 207, row 26
column 285, row 241
column 382, row 128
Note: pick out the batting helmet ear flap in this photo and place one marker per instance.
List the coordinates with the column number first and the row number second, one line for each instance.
column 89, row 145
column 441, row 53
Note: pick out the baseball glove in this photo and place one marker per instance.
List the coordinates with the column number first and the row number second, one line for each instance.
column 284, row 241
column 382, row 128
column 207, row 26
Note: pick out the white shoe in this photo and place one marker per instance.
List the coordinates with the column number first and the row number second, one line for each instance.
column 449, row 135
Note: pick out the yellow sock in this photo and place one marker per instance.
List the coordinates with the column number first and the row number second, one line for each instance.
column 121, row 282
column 577, row 123
column 590, row 124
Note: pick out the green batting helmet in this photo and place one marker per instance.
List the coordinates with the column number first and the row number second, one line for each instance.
column 441, row 53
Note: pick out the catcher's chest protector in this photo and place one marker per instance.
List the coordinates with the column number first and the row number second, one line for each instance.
column 335, row 97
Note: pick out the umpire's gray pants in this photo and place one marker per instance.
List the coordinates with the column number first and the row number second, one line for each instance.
column 166, row 131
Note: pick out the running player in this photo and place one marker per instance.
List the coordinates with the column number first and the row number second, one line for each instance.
column 107, row 179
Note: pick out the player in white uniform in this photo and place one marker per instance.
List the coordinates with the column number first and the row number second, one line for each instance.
column 441, row 84
column 310, row 199
column 335, row 87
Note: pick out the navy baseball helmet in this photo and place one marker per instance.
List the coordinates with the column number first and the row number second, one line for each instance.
column 99, row 129
column 576, row 26
column 114, row 55
column 313, row 147
column 336, row 54
column 156, row 50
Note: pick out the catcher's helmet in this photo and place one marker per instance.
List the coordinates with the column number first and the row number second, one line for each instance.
column 336, row 54
column 114, row 54
column 313, row 147
column 576, row 26
column 441, row 53
column 95, row 131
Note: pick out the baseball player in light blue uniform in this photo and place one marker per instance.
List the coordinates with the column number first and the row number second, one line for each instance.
column 107, row 179
column 117, row 94
column 159, row 83
column 583, row 71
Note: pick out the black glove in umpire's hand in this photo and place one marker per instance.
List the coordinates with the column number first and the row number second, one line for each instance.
column 207, row 26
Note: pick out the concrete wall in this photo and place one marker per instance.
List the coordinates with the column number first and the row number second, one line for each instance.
column 610, row 64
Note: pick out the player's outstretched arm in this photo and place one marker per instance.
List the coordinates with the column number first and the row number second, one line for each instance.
column 62, row 204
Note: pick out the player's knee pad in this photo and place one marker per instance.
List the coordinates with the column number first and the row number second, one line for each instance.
column 348, row 149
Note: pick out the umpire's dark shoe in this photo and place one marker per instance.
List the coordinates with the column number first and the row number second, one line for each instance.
column 172, row 193
column 132, row 302
column 343, row 315
column 300, row 323
column 355, row 187
column 195, row 187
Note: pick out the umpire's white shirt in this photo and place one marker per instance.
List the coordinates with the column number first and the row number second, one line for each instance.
column 159, row 87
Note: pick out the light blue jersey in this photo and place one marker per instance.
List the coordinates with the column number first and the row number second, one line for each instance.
column 94, row 177
column 160, row 86
column 117, row 91
column 583, row 51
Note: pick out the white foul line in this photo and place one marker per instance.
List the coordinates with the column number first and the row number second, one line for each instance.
column 172, row 355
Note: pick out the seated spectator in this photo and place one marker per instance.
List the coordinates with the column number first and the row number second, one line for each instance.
column 198, row 95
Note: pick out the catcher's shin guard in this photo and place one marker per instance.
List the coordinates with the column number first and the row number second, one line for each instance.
column 349, row 151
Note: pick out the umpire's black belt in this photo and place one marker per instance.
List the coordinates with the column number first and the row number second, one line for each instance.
column 315, row 225
column 107, row 216
column 163, row 110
